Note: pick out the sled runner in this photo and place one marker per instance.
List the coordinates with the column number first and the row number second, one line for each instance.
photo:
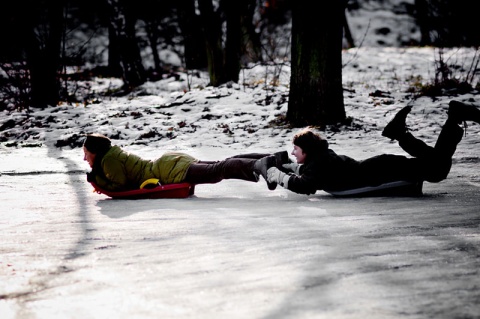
column 180, row 190
column 398, row 188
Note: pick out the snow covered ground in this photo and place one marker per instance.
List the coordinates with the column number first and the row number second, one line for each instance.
column 236, row 249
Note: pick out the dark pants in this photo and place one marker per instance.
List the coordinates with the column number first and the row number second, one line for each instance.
column 430, row 164
column 210, row 172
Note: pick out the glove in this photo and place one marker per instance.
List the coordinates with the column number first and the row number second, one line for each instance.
column 292, row 167
column 90, row 177
column 274, row 175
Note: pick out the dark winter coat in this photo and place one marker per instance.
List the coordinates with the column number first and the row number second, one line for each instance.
column 327, row 171
column 119, row 170
column 331, row 172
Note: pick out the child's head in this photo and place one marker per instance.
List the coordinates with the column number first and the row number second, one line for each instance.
column 307, row 143
column 95, row 144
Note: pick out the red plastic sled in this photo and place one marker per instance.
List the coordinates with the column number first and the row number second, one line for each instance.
column 180, row 190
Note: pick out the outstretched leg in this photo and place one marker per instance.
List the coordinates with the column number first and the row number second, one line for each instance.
column 214, row 172
column 448, row 139
column 434, row 163
column 414, row 146
column 452, row 133
column 252, row 155
column 396, row 129
column 281, row 157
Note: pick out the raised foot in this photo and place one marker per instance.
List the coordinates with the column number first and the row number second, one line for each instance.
column 460, row 112
column 397, row 127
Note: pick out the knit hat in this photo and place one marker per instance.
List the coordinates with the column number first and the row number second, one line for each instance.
column 97, row 143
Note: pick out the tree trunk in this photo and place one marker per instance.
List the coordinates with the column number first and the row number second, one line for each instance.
column 193, row 40
column 233, row 44
column 347, row 32
column 43, row 59
column 421, row 15
column 316, row 93
column 152, row 35
column 122, row 27
column 224, row 62
column 114, row 57
column 252, row 46
column 447, row 23
column 212, row 30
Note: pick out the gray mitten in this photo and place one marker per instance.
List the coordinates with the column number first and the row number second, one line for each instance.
column 292, row 167
column 274, row 175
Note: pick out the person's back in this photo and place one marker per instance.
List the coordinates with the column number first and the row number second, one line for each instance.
column 325, row 171
column 123, row 170
column 126, row 171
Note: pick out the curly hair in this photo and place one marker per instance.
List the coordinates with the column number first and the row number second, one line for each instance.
column 310, row 142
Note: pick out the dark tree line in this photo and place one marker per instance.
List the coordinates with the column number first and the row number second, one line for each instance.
column 447, row 23
column 219, row 36
column 42, row 25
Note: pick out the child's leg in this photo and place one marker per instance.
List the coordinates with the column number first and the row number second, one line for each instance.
column 448, row 139
column 214, row 172
column 414, row 146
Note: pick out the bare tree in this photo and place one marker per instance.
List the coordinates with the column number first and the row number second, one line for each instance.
column 212, row 30
column 224, row 57
column 421, row 8
column 42, row 40
column 447, row 23
column 251, row 43
column 347, row 32
column 316, row 93
column 193, row 41
column 233, row 45
column 123, row 46
column 152, row 19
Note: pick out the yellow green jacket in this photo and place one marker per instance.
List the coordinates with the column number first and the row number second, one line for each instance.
column 125, row 171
